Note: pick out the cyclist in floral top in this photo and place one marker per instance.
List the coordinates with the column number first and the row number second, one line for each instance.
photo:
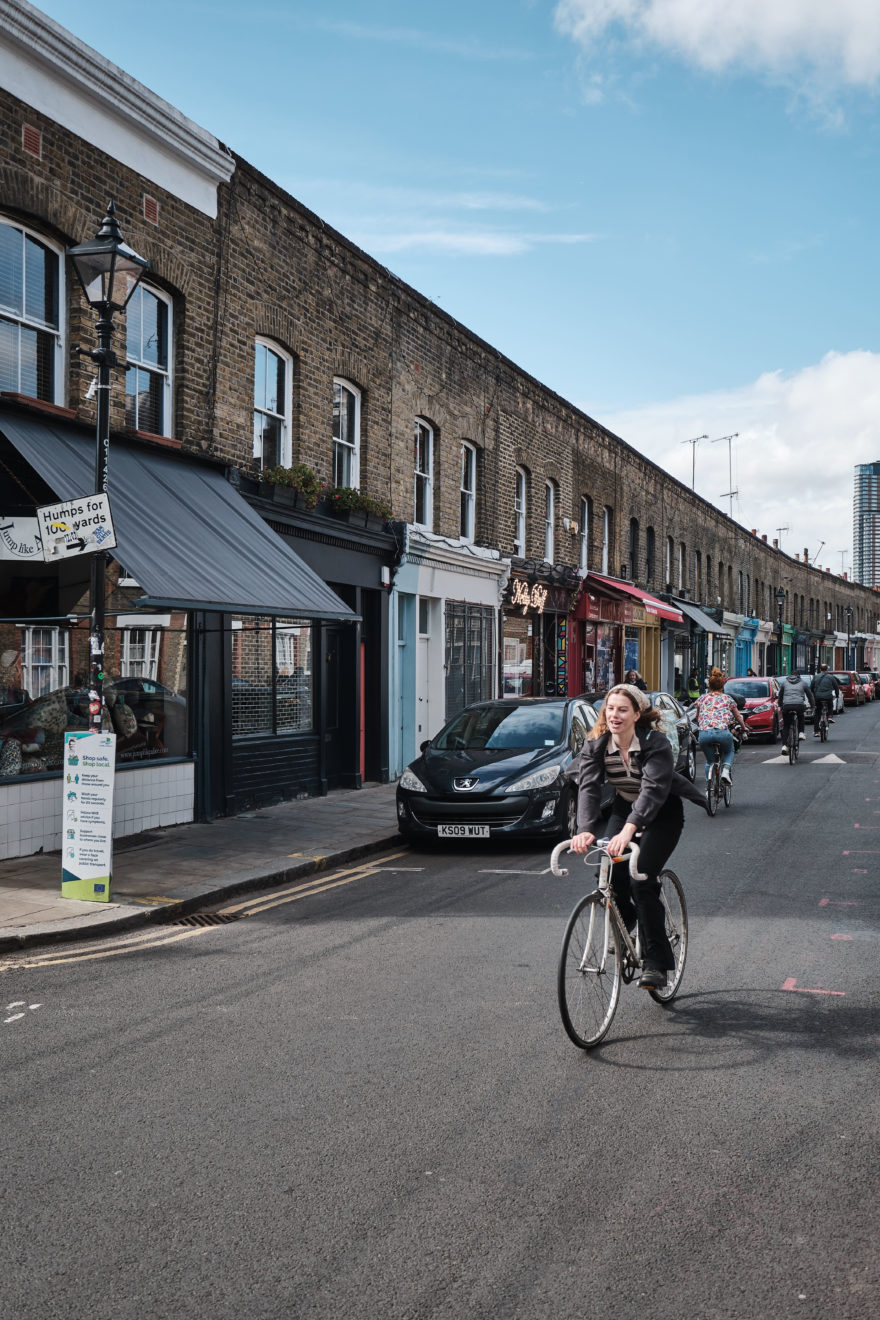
column 715, row 713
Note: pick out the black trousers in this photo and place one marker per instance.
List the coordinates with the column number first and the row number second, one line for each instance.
column 640, row 899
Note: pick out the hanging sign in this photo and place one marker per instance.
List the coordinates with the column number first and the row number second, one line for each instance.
column 19, row 538
column 87, row 815
column 76, row 527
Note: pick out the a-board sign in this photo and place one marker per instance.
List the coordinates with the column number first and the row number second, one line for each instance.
column 75, row 527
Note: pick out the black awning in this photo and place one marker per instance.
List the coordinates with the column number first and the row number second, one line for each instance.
column 183, row 532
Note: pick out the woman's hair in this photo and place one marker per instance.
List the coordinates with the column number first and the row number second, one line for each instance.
column 649, row 716
column 716, row 681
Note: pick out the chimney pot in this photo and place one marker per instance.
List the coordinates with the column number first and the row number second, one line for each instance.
column 776, row 543
column 764, row 538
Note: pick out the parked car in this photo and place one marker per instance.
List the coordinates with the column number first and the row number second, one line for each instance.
column 756, row 698
column 680, row 727
column 851, row 687
column 496, row 770
column 868, row 684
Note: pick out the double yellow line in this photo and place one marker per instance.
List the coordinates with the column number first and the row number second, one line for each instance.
column 154, row 938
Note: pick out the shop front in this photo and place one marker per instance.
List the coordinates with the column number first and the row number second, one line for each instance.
column 537, row 611
column 707, row 635
column 443, row 635
column 195, row 577
column 641, row 619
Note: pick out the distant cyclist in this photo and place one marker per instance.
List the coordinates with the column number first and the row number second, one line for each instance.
column 794, row 698
column 716, row 712
column 825, row 690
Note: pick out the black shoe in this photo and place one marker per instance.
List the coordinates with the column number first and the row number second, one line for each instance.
column 652, row 978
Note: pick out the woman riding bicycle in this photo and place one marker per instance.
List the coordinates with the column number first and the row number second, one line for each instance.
column 628, row 749
column 716, row 711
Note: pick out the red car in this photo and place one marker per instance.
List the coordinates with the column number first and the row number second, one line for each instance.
column 869, row 685
column 756, row 698
column 850, row 687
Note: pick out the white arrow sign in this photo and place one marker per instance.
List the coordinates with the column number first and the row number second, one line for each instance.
column 76, row 527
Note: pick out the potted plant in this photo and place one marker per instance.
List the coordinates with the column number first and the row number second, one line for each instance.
column 346, row 501
column 302, row 483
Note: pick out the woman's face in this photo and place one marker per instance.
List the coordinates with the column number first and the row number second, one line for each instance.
column 620, row 715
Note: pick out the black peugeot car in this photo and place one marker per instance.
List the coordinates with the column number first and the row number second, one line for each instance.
column 497, row 769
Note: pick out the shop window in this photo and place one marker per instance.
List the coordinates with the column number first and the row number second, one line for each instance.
column 148, row 358
column 273, row 386
column 519, row 511
column 31, row 347
column 468, row 492
column 470, row 655
column 346, row 434
column 423, row 473
column 272, row 676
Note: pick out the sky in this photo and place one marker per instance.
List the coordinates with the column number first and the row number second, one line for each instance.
column 664, row 210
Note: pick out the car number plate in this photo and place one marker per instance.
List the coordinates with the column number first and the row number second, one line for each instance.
column 462, row 831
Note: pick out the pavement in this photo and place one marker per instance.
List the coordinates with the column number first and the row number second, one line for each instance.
column 163, row 874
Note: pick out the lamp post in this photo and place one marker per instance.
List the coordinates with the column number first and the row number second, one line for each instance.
column 109, row 272
column 849, row 619
column 780, row 606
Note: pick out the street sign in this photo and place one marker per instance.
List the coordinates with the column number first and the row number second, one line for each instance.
column 75, row 527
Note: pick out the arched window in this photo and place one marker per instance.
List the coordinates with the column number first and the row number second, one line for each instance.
column 586, row 537
column 549, row 521
column 346, row 433
column 468, row 492
column 31, row 331
column 520, row 495
column 148, row 358
column 634, row 548
column 423, row 473
column 650, row 553
column 273, row 393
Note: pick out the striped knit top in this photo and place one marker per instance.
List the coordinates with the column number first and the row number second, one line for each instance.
column 626, row 782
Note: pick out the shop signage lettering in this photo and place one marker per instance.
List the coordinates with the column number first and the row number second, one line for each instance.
column 527, row 597
column 19, row 538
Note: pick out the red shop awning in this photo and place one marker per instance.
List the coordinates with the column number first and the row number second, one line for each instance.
column 659, row 608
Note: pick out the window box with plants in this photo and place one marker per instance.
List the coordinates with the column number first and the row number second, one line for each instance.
column 356, row 507
column 296, row 486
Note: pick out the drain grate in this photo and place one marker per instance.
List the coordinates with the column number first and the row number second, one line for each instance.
column 207, row 919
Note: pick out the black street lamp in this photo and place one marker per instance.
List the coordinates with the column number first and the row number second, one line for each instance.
column 109, row 272
column 849, row 619
column 780, row 606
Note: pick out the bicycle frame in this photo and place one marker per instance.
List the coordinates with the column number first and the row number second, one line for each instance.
column 603, row 883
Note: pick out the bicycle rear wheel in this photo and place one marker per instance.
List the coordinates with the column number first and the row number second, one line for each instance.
column 588, row 978
column 712, row 791
column 823, row 729
column 672, row 897
column 795, row 744
column 727, row 790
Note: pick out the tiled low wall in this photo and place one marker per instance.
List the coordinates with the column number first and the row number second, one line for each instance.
column 30, row 811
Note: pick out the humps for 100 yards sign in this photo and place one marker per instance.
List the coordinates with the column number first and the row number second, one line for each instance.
column 76, row 527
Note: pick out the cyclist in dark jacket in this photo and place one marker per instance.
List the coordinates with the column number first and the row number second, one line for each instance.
column 794, row 697
column 627, row 747
column 825, row 690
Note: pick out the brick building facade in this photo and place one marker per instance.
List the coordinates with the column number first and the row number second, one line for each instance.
column 528, row 548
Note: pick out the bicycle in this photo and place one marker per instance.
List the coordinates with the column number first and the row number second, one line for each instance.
column 823, row 722
column 716, row 786
column 598, row 953
column 791, row 746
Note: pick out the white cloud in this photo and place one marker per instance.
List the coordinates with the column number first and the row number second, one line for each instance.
column 838, row 38
column 799, row 437
column 460, row 242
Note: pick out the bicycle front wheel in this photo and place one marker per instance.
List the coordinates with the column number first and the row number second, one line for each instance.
column 588, row 980
column 672, row 897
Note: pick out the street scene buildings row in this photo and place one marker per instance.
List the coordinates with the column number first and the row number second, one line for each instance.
column 340, row 515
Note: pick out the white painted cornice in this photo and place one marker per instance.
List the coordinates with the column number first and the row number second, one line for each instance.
column 48, row 68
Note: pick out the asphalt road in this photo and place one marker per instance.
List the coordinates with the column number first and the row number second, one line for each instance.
column 360, row 1102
